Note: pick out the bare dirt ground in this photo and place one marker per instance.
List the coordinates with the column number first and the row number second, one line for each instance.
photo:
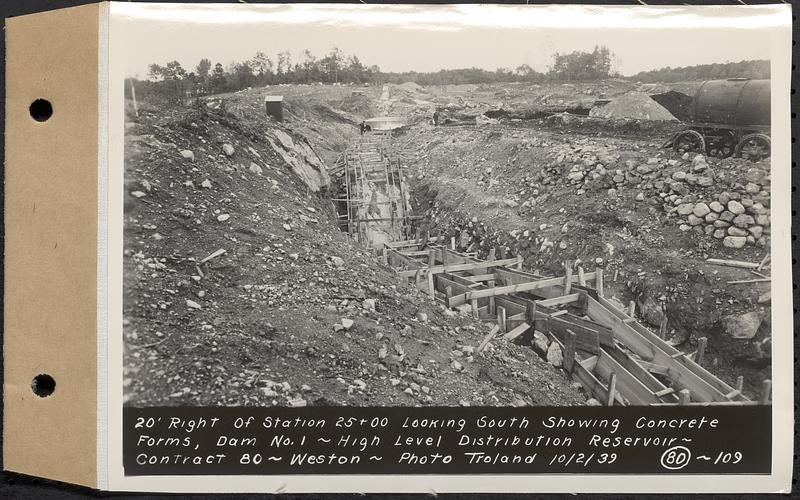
column 294, row 312
column 268, row 321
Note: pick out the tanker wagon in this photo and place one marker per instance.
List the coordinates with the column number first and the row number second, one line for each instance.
column 726, row 117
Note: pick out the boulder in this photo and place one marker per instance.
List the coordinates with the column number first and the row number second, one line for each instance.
column 756, row 231
column 695, row 220
column 679, row 175
column 735, row 207
column 685, row 208
column 255, row 168
column 716, row 207
column 540, row 342
column 742, row 326
column 701, row 210
column 228, row 149
column 187, row 154
column 743, row 220
column 554, row 355
column 736, row 231
column 734, row 241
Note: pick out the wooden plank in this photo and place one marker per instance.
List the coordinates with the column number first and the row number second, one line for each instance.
column 586, row 340
column 481, row 277
column 681, row 376
column 466, row 266
column 516, row 332
column 501, row 318
column 701, row 372
column 411, row 243
column 612, row 389
column 396, row 257
column 629, row 386
column 559, row 301
column 639, row 371
column 509, row 289
column 733, row 263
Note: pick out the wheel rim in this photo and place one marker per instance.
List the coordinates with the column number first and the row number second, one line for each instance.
column 688, row 142
column 755, row 148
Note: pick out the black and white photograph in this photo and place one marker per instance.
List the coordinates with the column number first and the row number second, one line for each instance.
column 406, row 210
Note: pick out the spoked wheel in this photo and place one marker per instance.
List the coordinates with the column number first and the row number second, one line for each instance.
column 689, row 141
column 722, row 146
column 754, row 147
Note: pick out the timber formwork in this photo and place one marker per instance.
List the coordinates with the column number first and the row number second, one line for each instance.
column 375, row 207
column 617, row 359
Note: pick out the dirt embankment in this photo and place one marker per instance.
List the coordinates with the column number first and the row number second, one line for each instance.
column 241, row 290
column 650, row 217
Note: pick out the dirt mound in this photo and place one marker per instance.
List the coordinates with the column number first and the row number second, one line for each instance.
column 635, row 105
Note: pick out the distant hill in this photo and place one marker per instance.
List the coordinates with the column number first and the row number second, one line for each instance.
column 756, row 69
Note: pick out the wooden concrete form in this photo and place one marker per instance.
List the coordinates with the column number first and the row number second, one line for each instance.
column 616, row 358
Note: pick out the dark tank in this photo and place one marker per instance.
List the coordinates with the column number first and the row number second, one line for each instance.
column 723, row 118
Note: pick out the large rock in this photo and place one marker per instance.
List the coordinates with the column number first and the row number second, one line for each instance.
column 228, row 149
column 742, row 326
column 554, row 355
column 716, row 207
column 743, row 220
column 685, row 208
column 735, row 207
column 301, row 158
column 701, row 209
column 187, row 154
column 540, row 342
column 734, row 241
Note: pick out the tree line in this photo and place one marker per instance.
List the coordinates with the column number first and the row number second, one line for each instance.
column 172, row 80
column 755, row 69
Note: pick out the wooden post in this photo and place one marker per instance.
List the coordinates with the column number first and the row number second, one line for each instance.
column 519, row 264
column 490, row 284
column 431, row 257
column 581, row 276
column 632, row 309
column 530, row 313
column 431, row 285
column 766, row 392
column 599, row 282
column 474, row 304
column 491, row 254
column 444, row 255
column 662, row 328
column 501, row 318
column 452, row 243
column 612, row 389
column 569, row 351
column 448, row 292
column 701, row 350
column 502, row 252
column 567, row 277
column 740, row 383
column 385, row 255
column 418, row 277
column 685, row 396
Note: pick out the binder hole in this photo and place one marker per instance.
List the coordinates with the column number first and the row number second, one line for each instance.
column 41, row 110
column 43, row 385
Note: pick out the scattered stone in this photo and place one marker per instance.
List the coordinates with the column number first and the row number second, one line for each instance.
column 138, row 194
column 422, row 317
column 685, row 208
column 287, row 227
column 369, row 304
column 742, row 326
column 735, row 207
column 593, row 402
column 255, row 168
column 192, row 304
column 206, row 184
column 734, row 241
column 337, row 261
column 743, row 220
column 679, row 175
column 347, row 323
column 187, row 154
column 716, row 207
column 701, row 210
column 228, row 149
column 223, row 217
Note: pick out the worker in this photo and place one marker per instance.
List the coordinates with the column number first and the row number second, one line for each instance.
column 362, row 127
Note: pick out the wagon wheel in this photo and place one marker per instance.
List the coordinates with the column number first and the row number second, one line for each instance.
column 754, row 147
column 689, row 141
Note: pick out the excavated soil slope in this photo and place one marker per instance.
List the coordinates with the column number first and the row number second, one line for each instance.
column 240, row 289
column 649, row 216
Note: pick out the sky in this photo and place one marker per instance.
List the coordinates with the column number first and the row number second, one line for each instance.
column 428, row 38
